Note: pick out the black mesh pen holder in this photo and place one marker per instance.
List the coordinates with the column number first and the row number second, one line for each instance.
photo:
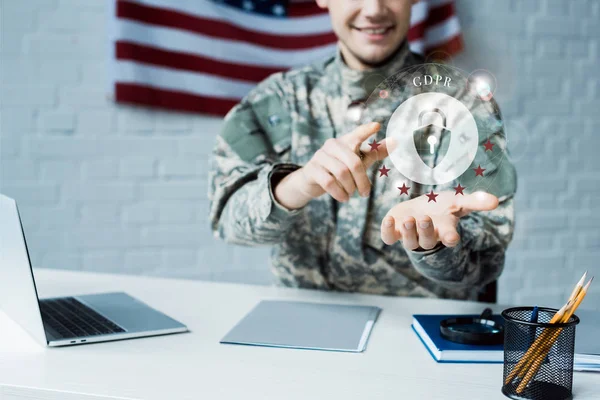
column 538, row 356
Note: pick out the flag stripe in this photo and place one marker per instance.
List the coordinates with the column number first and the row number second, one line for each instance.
column 171, row 99
column 303, row 9
column 319, row 23
column 418, row 13
column 185, row 81
column 438, row 34
column 436, row 16
column 190, row 62
column 223, row 50
column 218, row 29
column 418, row 46
column 436, row 3
column 439, row 14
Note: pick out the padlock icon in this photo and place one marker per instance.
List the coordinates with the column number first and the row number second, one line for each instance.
column 432, row 141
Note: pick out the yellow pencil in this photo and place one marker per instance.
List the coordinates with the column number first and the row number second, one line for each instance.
column 546, row 336
column 528, row 358
column 537, row 363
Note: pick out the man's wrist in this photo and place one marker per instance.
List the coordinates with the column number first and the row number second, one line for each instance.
column 287, row 189
column 422, row 251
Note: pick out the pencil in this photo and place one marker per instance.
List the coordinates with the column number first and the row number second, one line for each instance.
column 547, row 336
column 537, row 346
column 578, row 287
column 537, row 363
column 526, row 359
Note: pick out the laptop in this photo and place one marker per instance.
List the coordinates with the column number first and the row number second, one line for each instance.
column 63, row 321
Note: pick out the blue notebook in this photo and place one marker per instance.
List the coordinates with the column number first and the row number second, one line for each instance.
column 427, row 328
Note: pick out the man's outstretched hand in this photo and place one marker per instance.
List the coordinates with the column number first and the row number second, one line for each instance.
column 423, row 223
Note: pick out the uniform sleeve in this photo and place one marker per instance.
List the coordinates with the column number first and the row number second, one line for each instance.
column 245, row 167
column 479, row 257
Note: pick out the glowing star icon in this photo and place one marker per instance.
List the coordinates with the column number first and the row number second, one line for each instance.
column 404, row 189
column 479, row 170
column 383, row 171
column 488, row 145
column 432, row 197
column 374, row 145
column 459, row 190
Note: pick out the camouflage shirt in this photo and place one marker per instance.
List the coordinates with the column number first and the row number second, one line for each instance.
column 337, row 246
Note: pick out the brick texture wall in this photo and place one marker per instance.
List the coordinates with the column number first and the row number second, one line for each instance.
column 119, row 189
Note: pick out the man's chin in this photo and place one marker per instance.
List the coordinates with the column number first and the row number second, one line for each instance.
column 375, row 59
column 374, row 56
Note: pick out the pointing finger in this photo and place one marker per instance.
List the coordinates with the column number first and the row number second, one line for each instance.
column 372, row 156
column 360, row 134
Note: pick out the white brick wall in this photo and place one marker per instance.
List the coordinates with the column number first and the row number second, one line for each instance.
column 121, row 189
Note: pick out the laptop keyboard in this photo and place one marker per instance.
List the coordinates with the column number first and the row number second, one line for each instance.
column 71, row 318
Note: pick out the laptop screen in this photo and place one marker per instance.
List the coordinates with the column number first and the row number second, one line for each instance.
column 18, row 294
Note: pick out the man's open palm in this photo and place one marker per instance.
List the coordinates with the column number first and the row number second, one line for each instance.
column 423, row 223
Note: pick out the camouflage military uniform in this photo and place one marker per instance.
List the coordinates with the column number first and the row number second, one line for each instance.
column 337, row 246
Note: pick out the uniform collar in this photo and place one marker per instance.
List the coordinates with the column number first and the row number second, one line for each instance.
column 358, row 85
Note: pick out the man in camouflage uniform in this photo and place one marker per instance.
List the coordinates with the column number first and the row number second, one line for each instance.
column 291, row 168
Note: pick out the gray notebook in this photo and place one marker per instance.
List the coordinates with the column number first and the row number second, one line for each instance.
column 299, row 325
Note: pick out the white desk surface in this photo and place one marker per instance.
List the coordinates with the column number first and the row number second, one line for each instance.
column 195, row 366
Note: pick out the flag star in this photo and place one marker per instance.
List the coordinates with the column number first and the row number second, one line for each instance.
column 248, row 5
column 479, row 170
column 432, row 197
column 404, row 189
column 459, row 190
column 374, row 145
column 489, row 145
column 383, row 171
column 278, row 9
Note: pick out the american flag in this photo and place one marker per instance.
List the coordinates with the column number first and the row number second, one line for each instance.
column 204, row 55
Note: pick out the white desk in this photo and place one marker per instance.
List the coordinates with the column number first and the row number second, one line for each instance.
column 195, row 366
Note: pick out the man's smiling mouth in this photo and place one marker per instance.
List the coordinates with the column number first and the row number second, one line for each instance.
column 374, row 30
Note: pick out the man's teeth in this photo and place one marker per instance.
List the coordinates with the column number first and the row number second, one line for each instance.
column 375, row 31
